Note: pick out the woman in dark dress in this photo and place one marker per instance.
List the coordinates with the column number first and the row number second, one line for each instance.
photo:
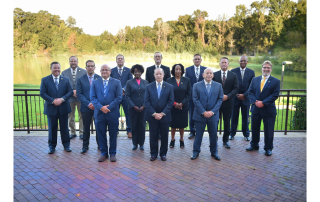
column 135, row 89
column 179, row 112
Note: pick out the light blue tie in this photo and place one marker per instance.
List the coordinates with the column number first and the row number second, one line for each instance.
column 56, row 82
column 208, row 88
column 197, row 73
column 105, row 87
column 159, row 90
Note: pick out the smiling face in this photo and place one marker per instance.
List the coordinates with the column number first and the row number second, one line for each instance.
column 208, row 75
column 197, row 60
column 137, row 73
column 158, row 75
column 177, row 71
column 266, row 70
column 55, row 70
column 224, row 64
column 243, row 62
column 158, row 58
column 73, row 61
column 90, row 68
column 120, row 61
column 105, row 71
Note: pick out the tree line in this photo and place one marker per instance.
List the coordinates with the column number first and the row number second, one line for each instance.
column 274, row 28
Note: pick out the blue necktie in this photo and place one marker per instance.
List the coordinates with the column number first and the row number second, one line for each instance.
column 208, row 88
column 120, row 73
column 197, row 73
column 105, row 87
column 159, row 90
column 56, row 82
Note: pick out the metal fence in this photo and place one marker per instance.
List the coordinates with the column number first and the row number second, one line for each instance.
column 28, row 112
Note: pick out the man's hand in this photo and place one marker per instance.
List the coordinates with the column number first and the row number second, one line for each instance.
column 142, row 108
column 105, row 109
column 158, row 116
column 225, row 97
column 74, row 93
column 136, row 108
column 208, row 114
column 241, row 96
column 57, row 101
column 259, row 104
column 179, row 106
column 91, row 106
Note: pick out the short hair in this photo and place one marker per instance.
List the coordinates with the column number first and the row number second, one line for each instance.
column 173, row 69
column 224, row 58
column 207, row 69
column 106, row 65
column 54, row 63
column 90, row 61
column 243, row 56
column 156, row 53
column 197, row 55
column 267, row 62
column 118, row 55
column 138, row 67
column 154, row 71
column 72, row 57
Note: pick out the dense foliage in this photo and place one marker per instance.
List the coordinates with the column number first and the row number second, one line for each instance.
column 274, row 27
column 299, row 121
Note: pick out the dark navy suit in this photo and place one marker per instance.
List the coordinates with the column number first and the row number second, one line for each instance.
column 190, row 73
column 204, row 101
column 135, row 97
column 49, row 92
column 155, row 105
column 243, row 104
column 125, row 76
column 111, row 119
column 83, row 94
column 267, row 113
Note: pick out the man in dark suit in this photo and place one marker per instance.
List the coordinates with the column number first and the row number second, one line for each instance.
column 73, row 73
column 123, row 74
column 159, row 100
column 230, row 88
column 83, row 93
column 207, row 99
column 194, row 73
column 263, row 92
column 241, row 100
column 56, row 91
column 106, row 95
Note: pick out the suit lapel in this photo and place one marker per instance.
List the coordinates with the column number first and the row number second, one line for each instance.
column 205, row 88
column 211, row 89
column 163, row 88
column 218, row 79
column 267, row 83
column 87, row 81
column 201, row 72
column 52, row 82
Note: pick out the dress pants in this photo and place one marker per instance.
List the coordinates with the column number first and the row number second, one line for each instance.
column 72, row 118
column 226, row 114
column 101, row 126
column 164, row 131
column 126, row 113
column 53, row 129
column 245, row 119
column 212, row 130
column 138, row 126
column 191, row 121
column 268, row 122
column 87, row 119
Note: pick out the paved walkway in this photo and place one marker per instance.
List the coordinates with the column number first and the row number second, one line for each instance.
column 239, row 176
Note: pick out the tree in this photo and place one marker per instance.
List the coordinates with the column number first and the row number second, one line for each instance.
column 72, row 43
column 200, row 23
column 71, row 22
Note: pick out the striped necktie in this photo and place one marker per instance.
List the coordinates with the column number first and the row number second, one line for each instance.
column 208, row 88
column 224, row 78
column 105, row 85
column 120, row 72
column 262, row 83
column 197, row 73
column 56, row 82
column 74, row 75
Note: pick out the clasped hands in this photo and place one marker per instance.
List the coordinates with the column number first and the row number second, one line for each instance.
column 178, row 106
column 105, row 109
column 241, row 97
column 259, row 104
column 57, row 101
column 139, row 109
column 158, row 116
column 208, row 114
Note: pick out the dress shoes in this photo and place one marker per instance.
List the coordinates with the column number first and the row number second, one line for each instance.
column 216, row 157
column 129, row 134
column 141, row 148
column 194, row 156
column 113, row 158
column 153, row 158
column 103, row 158
column 73, row 136
column 81, row 137
column 67, row 149
column 252, row 148
column 134, row 147
column 163, row 158
column 191, row 135
column 247, row 138
column 84, row 150
column 51, row 151
column 231, row 137
column 268, row 152
column 226, row 145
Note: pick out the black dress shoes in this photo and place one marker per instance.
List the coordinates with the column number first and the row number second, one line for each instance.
column 83, row 150
column 231, row 137
column 67, row 149
column 81, row 137
column 113, row 158
column 194, row 156
column 73, row 136
column 103, row 158
column 163, row 158
column 191, row 135
column 51, row 151
column 247, row 138
column 226, row 145
column 268, row 152
column 134, row 147
column 252, row 148
column 153, row 158
column 216, row 157
column 141, row 148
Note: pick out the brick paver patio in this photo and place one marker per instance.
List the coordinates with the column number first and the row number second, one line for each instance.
column 239, row 176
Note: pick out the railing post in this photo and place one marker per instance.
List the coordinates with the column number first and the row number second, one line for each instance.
column 220, row 120
column 287, row 113
column 91, row 126
column 27, row 111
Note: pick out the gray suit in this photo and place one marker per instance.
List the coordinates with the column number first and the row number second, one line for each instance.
column 74, row 101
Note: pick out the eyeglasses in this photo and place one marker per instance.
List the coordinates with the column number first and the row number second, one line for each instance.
column 266, row 67
column 197, row 59
column 90, row 66
column 105, row 70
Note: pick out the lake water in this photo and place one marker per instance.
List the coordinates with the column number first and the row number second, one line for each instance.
column 30, row 70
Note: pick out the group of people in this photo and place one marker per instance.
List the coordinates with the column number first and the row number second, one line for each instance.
column 161, row 100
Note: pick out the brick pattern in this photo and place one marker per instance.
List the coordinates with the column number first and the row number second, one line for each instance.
column 239, row 176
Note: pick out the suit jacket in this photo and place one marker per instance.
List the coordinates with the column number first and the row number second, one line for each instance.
column 182, row 93
column 243, row 84
column 113, row 98
column 155, row 105
column 230, row 87
column 190, row 73
column 204, row 101
column 49, row 92
column 125, row 76
column 67, row 73
column 83, row 91
column 269, row 94
column 135, row 93
column 150, row 73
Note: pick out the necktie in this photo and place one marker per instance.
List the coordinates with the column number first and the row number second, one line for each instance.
column 120, row 72
column 262, row 83
column 90, row 77
column 242, row 73
column 197, row 73
column 56, row 82
column 208, row 88
column 224, row 78
column 74, row 76
column 159, row 90
column 105, row 87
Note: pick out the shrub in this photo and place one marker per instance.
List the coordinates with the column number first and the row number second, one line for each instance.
column 299, row 121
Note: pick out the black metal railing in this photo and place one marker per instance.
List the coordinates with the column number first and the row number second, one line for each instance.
column 28, row 112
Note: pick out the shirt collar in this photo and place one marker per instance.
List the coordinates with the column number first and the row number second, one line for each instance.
column 196, row 66
column 72, row 70
column 243, row 68
column 223, row 71
column 266, row 77
column 205, row 82
column 160, row 83
column 119, row 68
column 91, row 76
column 157, row 65
column 55, row 77
column 105, row 79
